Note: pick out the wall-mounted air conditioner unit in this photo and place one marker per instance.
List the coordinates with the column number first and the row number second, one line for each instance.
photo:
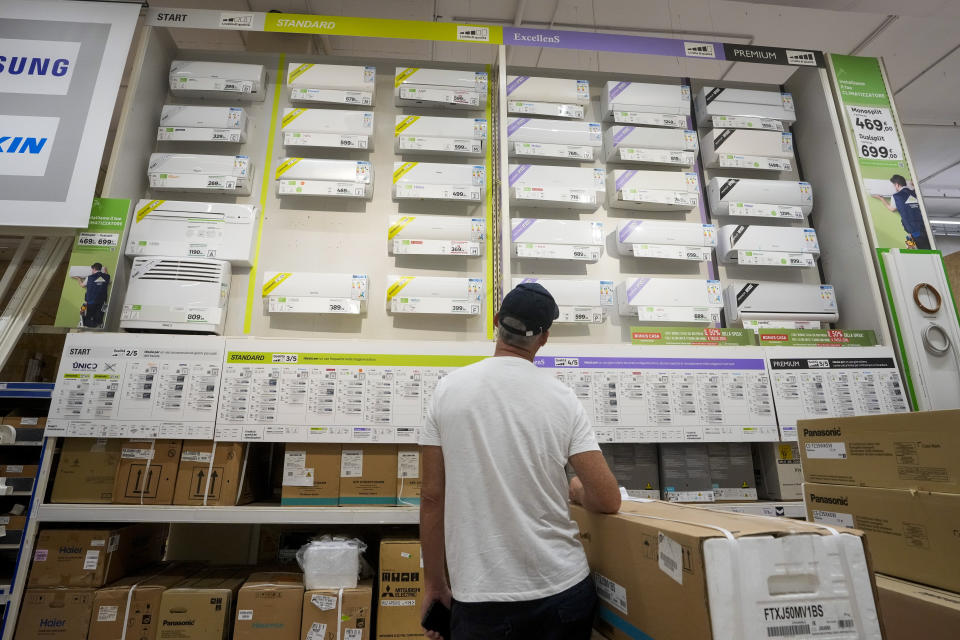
column 175, row 228
column 789, row 199
column 218, row 80
column 202, row 124
column 79, row 271
column 757, row 244
column 652, row 190
column 780, row 302
column 565, row 139
column 176, row 294
column 340, row 128
column 333, row 178
column 671, row 299
column 666, row 239
column 879, row 187
column 556, row 97
column 195, row 172
column 646, row 103
column 303, row 292
column 534, row 185
column 332, row 83
column 747, row 149
column 433, row 135
column 650, row 145
column 436, row 295
column 446, row 88
column 768, row 109
column 438, row 181
column 557, row 239
column 580, row 301
column 436, row 235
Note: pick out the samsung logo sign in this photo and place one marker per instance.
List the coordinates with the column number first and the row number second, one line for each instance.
column 17, row 65
column 37, row 66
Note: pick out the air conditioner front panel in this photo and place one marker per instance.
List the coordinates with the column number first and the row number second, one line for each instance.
column 218, row 80
column 752, row 103
column 552, row 90
column 434, row 295
column 557, row 239
column 671, row 299
column 780, row 301
column 663, row 232
column 333, row 178
column 306, row 292
column 650, row 145
column 586, row 134
column 174, row 294
column 439, row 181
column 436, row 235
column 645, row 97
column 760, row 198
column 338, row 77
column 447, row 88
column 653, row 190
column 431, row 134
column 202, row 124
column 568, row 187
column 194, row 172
column 747, row 149
column 580, row 301
column 791, row 246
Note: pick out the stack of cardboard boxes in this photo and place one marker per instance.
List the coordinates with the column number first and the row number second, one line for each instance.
column 897, row 478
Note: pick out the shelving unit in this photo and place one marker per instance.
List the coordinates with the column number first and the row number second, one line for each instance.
column 246, row 514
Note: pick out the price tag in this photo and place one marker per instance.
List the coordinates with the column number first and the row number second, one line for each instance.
column 447, row 145
column 775, row 259
column 750, row 209
column 747, row 122
column 436, row 247
column 876, row 133
column 656, row 156
column 437, row 192
column 671, row 252
column 586, row 253
column 736, row 161
column 239, row 86
column 225, row 135
column 676, row 198
column 586, row 315
column 221, row 182
column 579, row 196
column 90, row 239
column 573, row 152
column 708, row 315
column 650, row 119
column 455, row 306
column 321, row 188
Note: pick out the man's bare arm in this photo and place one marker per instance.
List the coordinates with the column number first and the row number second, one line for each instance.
column 594, row 486
column 432, row 541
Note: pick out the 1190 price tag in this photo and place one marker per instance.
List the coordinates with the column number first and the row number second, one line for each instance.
column 877, row 137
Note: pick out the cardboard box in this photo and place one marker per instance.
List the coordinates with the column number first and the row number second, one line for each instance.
column 93, row 557
column 63, row 614
column 133, row 603
column 87, row 470
column 913, row 534
column 322, row 606
column 11, row 528
column 897, row 451
column 147, row 473
column 913, row 612
column 636, row 468
column 777, row 470
column 269, row 607
column 409, row 477
column 685, row 472
column 201, row 607
column 670, row 572
column 17, row 477
column 368, row 474
column 731, row 471
column 311, row 475
column 213, row 474
column 400, row 588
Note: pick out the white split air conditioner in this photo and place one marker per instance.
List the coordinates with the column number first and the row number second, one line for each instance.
column 176, row 294
column 438, row 181
column 435, row 295
column 650, row 145
column 580, row 301
column 879, row 187
column 780, row 301
column 202, row 124
column 747, row 149
column 671, row 299
column 741, row 108
column 557, row 239
column 194, row 230
column 447, row 88
column 534, row 185
column 431, row 134
column 556, row 97
column 340, row 128
column 195, row 172
column 647, row 103
column 332, row 83
column 760, row 198
column 540, row 137
column 79, row 271
column 436, row 235
column 218, row 80
column 666, row 239
column 653, row 190
column 333, row 178
column 757, row 244
column 302, row 292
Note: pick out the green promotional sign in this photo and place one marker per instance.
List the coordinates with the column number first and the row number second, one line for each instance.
column 695, row 337
column 817, row 338
column 93, row 261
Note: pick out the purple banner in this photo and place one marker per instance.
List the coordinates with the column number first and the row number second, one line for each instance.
column 635, row 288
column 517, row 173
column 625, row 178
column 618, row 89
column 522, row 226
column 516, row 124
column 620, row 133
column 584, row 40
column 628, row 228
column 516, row 82
column 581, row 362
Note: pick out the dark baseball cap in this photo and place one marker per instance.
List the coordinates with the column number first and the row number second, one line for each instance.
column 532, row 305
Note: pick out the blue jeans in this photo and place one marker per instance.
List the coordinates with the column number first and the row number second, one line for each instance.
column 565, row 616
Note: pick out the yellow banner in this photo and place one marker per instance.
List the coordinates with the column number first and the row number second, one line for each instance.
column 403, row 75
column 397, row 286
column 406, row 122
column 382, row 28
column 287, row 165
column 402, row 170
column 153, row 204
column 290, row 117
column 274, row 282
column 299, row 71
column 398, row 226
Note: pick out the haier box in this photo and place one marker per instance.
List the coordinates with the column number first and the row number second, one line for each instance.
column 436, row 135
column 671, row 299
column 666, row 239
column 202, row 124
column 303, row 292
column 557, row 239
column 194, row 172
column 180, row 229
column 747, row 149
column 444, row 88
column 339, row 128
column 553, row 97
column 176, row 294
column 769, row 109
column 780, row 301
column 218, row 80
column 652, row 190
column 438, row 181
column 744, row 197
column 436, row 235
column 435, row 295
column 330, row 178
column 580, row 301
column 646, row 103
column 564, row 139
column 332, row 83
column 534, row 185
column 758, row 244
column 650, row 145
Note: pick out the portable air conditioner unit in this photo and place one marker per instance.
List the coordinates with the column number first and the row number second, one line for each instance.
column 557, row 239
column 554, row 97
column 435, row 295
column 433, row 135
column 747, row 149
column 666, row 239
column 332, row 83
column 671, row 299
column 176, row 294
column 760, row 198
column 539, row 137
column 302, row 292
column 202, row 124
column 218, row 80
column 786, row 246
column 194, row 230
column 332, row 178
column 653, row 190
column 436, row 235
column 437, row 181
column 579, row 301
column 534, row 185
column 445, row 88
column 650, row 145
column 780, row 301
column 646, row 103
column 768, row 109
column 194, row 172
column 340, row 128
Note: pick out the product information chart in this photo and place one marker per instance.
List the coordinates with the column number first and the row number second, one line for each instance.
column 122, row 385
column 828, row 383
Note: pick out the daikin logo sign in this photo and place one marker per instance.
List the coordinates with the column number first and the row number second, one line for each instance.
column 25, row 144
column 37, row 66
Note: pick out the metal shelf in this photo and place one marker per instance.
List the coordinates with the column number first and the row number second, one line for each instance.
column 788, row 509
column 24, row 443
column 9, row 547
column 26, row 389
column 246, row 514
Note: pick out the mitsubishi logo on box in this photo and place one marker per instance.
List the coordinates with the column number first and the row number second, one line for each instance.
column 25, row 144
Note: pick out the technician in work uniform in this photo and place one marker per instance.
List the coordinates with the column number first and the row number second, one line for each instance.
column 494, row 500
column 94, row 306
column 904, row 201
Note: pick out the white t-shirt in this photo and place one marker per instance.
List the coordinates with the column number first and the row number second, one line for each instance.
column 507, row 429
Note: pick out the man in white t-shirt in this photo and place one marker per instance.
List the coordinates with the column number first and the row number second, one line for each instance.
column 494, row 503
